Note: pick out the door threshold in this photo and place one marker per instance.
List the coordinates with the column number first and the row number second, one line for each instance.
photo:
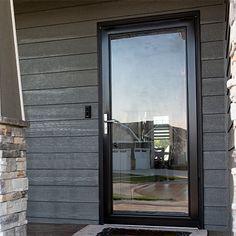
column 93, row 230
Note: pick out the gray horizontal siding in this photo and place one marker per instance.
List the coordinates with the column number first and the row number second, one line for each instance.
column 214, row 216
column 63, row 128
column 59, row 112
column 56, row 32
column 61, row 96
column 59, row 64
column 54, row 220
column 118, row 9
column 60, row 161
column 213, row 86
column 209, row 32
column 21, row 7
column 63, row 177
column 213, row 68
column 63, row 194
column 215, row 160
column 212, row 50
column 214, row 142
column 221, row 230
column 58, row 48
column 63, row 210
column 215, row 178
column 63, row 144
column 214, row 123
column 213, row 104
column 216, row 197
column 212, row 32
column 58, row 51
column 60, row 80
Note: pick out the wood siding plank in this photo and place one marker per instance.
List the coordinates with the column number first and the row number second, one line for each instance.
column 213, row 68
column 213, row 105
column 209, row 14
column 216, row 197
column 63, row 144
column 59, row 112
column 213, row 14
column 214, row 123
column 214, row 141
column 218, row 228
column 215, row 178
column 57, row 32
column 61, row 96
column 215, row 160
column 58, row 48
column 86, row 127
column 59, row 64
column 63, row 177
column 60, row 80
column 213, row 86
column 63, row 210
column 209, row 32
column 212, row 32
column 63, row 194
column 213, row 50
column 21, row 7
column 42, row 220
column 60, row 161
column 216, row 216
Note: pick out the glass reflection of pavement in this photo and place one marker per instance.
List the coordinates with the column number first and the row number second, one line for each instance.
column 171, row 195
column 152, row 172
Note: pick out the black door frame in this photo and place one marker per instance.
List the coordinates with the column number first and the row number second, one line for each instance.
column 190, row 21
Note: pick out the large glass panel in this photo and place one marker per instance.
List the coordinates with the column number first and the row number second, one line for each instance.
column 149, row 130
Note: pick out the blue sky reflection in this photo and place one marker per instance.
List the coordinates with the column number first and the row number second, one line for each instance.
column 149, row 77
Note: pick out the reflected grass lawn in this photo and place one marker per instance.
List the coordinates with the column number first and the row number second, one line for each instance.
column 117, row 197
column 134, row 179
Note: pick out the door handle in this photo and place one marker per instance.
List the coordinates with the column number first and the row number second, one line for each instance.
column 109, row 121
column 106, row 122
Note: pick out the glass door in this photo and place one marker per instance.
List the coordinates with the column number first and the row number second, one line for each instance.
column 149, row 122
column 147, row 125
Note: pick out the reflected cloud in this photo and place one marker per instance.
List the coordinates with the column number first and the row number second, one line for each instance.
column 149, row 77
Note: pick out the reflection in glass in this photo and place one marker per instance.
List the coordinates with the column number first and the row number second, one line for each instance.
column 149, row 109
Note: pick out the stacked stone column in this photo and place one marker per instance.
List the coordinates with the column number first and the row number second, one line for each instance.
column 13, row 180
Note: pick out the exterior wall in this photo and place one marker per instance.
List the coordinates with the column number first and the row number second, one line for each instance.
column 13, row 181
column 58, row 55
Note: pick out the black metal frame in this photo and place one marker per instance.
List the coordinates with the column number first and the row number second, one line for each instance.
column 190, row 21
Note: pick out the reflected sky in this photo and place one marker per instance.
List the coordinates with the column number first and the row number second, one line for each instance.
column 149, row 77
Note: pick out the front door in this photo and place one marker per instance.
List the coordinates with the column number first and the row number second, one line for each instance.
column 150, row 122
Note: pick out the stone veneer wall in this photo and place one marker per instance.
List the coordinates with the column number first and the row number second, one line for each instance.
column 13, row 180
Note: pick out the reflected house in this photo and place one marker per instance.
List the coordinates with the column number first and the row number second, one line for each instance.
column 178, row 137
column 129, row 143
column 149, row 145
